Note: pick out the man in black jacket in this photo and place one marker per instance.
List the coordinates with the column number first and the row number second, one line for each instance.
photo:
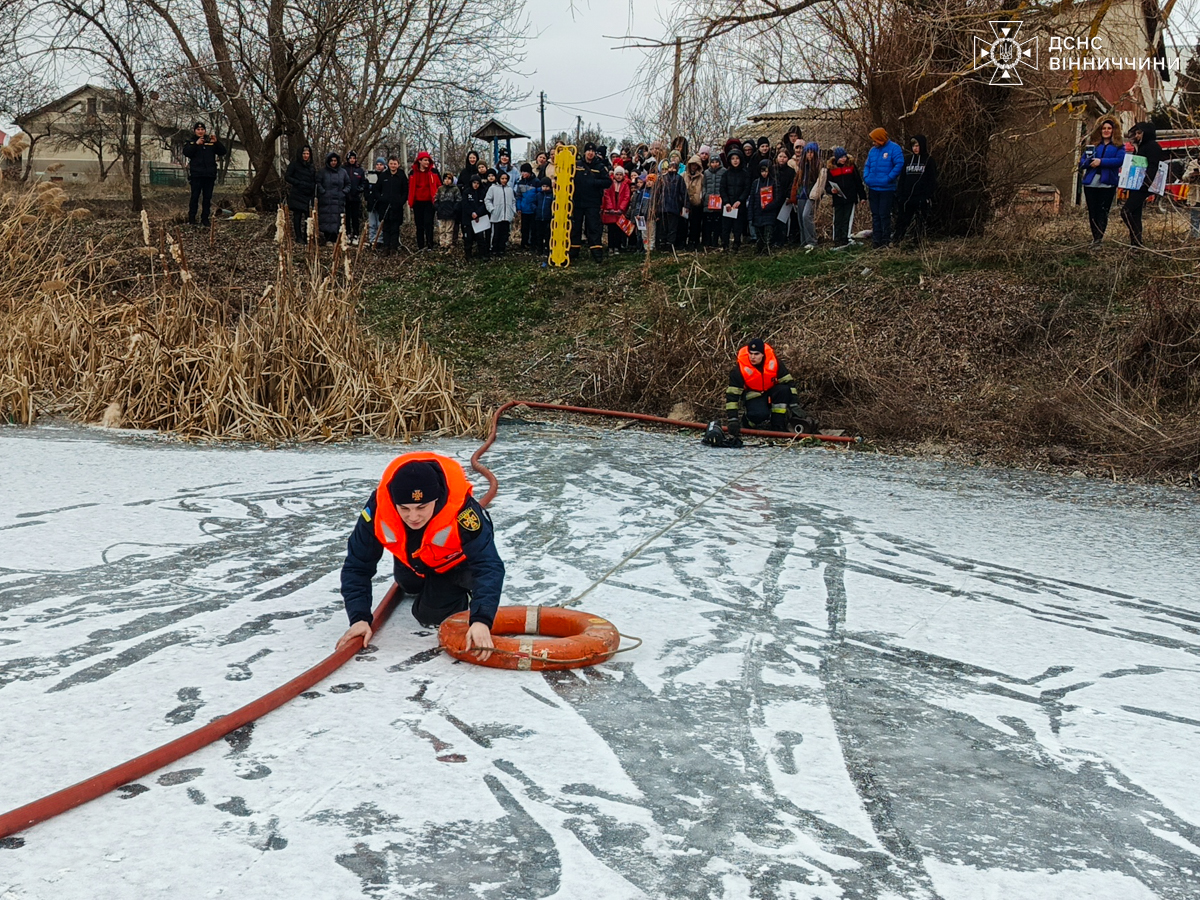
column 591, row 181
column 390, row 195
column 914, row 194
column 1145, row 136
column 202, row 156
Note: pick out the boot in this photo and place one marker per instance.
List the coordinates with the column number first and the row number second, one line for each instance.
column 598, row 255
column 779, row 421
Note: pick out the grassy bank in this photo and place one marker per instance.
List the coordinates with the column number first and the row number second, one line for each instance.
column 1024, row 347
column 1020, row 348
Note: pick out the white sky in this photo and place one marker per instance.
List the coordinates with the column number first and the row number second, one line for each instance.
column 569, row 57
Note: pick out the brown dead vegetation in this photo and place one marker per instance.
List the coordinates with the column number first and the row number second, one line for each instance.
column 122, row 331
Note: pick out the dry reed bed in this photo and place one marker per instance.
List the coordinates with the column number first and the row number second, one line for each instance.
column 159, row 351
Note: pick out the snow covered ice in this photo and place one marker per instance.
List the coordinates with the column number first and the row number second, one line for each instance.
column 862, row 677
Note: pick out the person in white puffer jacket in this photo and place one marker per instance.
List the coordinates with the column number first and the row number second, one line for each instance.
column 501, row 205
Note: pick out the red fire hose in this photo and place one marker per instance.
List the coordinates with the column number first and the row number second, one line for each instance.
column 640, row 417
column 59, row 802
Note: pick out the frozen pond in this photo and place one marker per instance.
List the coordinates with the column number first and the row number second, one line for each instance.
column 862, row 677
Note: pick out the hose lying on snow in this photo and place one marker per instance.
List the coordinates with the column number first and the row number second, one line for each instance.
column 68, row 798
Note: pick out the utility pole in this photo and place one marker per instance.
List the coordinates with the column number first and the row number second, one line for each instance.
column 542, row 108
column 578, row 129
column 675, row 89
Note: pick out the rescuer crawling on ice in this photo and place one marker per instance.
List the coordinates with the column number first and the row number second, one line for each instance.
column 424, row 514
column 763, row 384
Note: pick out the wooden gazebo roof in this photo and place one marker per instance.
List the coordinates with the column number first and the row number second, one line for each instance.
column 494, row 129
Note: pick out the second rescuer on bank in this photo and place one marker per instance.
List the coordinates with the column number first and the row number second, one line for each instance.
column 424, row 514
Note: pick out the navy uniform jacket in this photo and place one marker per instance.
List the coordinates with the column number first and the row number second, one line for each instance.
column 364, row 550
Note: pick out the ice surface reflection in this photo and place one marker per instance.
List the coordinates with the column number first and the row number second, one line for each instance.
column 862, row 677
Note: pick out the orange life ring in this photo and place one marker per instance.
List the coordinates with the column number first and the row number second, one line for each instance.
column 534, row 638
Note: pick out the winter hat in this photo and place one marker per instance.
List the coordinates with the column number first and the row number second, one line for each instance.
column 764, row 163
column 351, row 155
column 588, row 146
column 705, row 150
column 619, row 170
column 417, row 482
column 424, row 154
column 475, row 178
column 839, row 152
column 526, row 167
column 380, row 161
column 764, row 140
column 676, row 156
column 879, row 136
column 756, row 345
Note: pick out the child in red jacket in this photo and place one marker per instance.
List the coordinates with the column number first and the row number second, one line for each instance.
column 614, row 210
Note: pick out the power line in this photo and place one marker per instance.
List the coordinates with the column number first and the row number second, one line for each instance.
column 605, row 97
column 590, row 112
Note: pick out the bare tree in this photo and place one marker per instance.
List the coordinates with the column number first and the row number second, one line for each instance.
column 117, row 40
column 905, row 64
column 442, row 119
column 23, row 89
column 273, row 63
column 718, row 91
column 399, row 54
column 103, row 129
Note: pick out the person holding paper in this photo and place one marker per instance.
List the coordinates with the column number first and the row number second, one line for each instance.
column 1144, row 136
column 766, row 199
column 477, row 234
column 614, row 211
column 501, row 205
column 711, row 232
column 844, row 183
column 735, row 191
column 785, row 176
column 1101, row 167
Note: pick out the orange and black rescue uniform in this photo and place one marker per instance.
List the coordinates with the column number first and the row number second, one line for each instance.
column 766, row 389
column 448, row 566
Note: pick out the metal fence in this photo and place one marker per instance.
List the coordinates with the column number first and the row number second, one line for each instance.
column 167, row 175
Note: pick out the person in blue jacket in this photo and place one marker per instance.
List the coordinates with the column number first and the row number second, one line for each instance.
column 543, row 213
column 526, row 190
column 1101, row 168
column 424, row 513
column 881, row 174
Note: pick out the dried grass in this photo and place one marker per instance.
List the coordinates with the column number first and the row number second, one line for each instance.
column 678, row 348
column 296, row 365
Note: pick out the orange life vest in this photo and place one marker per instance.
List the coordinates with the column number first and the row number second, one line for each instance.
column 441, row 546
column 761, row 380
